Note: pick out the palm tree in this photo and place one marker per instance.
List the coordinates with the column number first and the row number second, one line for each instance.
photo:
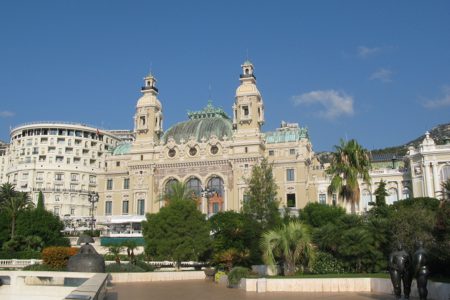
column 7, row 191
column 179, row 191
column 13, row 205
column 445, row 186
column 115, row 250
column 131, row 245
column 349, row 163
column 291, row 243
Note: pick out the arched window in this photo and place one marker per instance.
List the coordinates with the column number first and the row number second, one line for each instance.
column 169, row 183
column 194, row 185
column 215, row 184
column 366, row 198
column 393, row 196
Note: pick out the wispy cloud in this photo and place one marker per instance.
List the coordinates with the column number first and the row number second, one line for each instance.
column 366, row 52
column 6, row 114
column 440, row 102
column 334, row 103
column 382, row 74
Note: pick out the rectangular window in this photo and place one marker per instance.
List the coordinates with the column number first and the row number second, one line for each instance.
column 271, row 153
column 57, row 198
column 290, row 176
column 322, row 199
column 74, row 177
column 109, row 184
column 334, row 199
column 92, row 179
column 290, row 199
column 141, row 207
column 292, row 151
column 56, row 211
column 72, row 211
column 245, row 110
column 59, row 176
column 126, row 183
column 108, row 207
column 117, row 163
column 125, row 207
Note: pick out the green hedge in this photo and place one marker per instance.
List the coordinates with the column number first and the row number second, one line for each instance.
column 28, row 254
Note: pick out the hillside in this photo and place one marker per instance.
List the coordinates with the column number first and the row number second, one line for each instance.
column 440, row 134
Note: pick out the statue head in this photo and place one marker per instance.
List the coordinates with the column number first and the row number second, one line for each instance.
column 399, row 246
column 419, row 244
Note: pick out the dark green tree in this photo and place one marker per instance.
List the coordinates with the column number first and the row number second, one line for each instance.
column 177, row 232
column 42, row 223
column 412, row 220
column 40, row 203
column 261, row 203
column 349, row 162
column 237, row 231
column 13, row 203
column 317, row 215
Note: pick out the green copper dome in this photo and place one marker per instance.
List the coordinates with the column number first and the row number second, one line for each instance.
column 122, row 149
column 202, row 124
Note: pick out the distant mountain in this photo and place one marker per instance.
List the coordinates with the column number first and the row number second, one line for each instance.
column 440, row 135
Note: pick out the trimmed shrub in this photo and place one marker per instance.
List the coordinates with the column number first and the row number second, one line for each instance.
column 126, row 268
column 236, row 274
column 27, row 254
column 42, row 267
column 58, row 257
column 325, row 263
column 145, row 266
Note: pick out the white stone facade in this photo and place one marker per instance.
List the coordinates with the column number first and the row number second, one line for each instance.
column 60, row 159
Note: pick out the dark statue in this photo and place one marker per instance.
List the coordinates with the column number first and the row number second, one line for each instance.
column 87, row 259
column 421, row 270
column 400, row 270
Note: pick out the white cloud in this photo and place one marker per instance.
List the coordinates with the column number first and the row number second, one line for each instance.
column 334, row 103
column 6, row 114
column 440, row 102
column 383, row 75
column 365, row 52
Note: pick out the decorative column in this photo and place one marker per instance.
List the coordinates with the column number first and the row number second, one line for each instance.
column 428, row 182
column 437, row 186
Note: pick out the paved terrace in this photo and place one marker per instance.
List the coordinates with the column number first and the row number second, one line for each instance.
column 204, row 290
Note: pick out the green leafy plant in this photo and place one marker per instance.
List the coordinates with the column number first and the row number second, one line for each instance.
column 236, row 274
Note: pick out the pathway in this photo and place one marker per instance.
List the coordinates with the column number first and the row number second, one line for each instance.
column 200, row 289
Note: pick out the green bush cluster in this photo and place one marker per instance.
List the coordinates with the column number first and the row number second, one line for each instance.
column 236, row 274
column 125, row 268
column 26, row 254
column 44, row 267
column 325, row 263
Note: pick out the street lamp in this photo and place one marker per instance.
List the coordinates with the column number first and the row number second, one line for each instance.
column 207, row 193
column 93, row 198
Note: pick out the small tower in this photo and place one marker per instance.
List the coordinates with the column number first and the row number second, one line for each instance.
column 248, row 113
column 148, row 117
column 248, row 109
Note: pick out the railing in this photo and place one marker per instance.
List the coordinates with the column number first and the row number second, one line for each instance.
column 60, row 190
column 18, row 263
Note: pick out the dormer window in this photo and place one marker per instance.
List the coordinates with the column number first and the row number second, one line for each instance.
column 245, row 110
column 142, row 118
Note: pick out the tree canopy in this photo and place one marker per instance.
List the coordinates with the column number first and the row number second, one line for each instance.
column 179, row 231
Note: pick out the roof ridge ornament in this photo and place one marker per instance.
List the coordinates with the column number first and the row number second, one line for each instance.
column 209, row 111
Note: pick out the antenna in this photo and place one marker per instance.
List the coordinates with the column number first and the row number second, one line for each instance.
column 247, row 54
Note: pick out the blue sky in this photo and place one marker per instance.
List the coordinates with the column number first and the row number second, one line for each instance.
column 377, row 71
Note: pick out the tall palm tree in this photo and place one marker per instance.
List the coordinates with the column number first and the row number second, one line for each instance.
column 14, row 205
column 349, row 163
column 290, row 243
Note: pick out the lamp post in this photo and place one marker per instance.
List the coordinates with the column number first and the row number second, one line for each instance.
column 207, row 193
column 93, row 198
